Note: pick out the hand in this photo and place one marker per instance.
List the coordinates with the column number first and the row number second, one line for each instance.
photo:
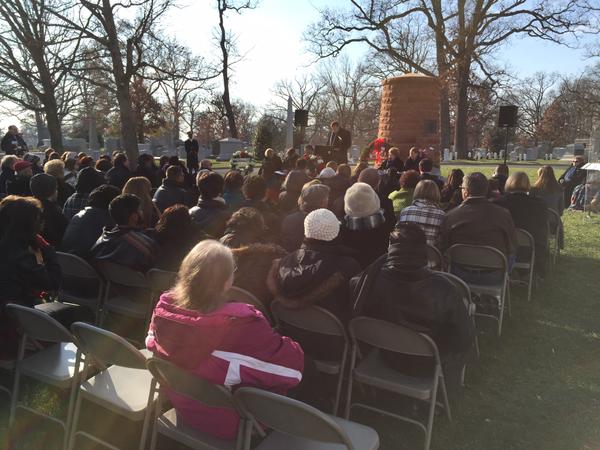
column 38, row 255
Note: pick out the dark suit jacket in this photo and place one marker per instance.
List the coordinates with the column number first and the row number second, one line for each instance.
column 344, row 142
column 478, row 221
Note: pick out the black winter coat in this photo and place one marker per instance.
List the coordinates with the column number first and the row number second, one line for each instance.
column 19, row 186
column 292, row 231
column 118, row 176
column 211, row 216
column 368, row 237
column 127, row 247
column 170, row 193
column 6, row 175
column 84, row 229
column 55, row 223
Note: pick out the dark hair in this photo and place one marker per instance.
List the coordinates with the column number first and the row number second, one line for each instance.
column 122, row 207
column 173, row 172
column 335, row 123
column 119, row 159
column 426, row 165
column 301, row 164
column 103, row 165
column 53, row 155
column 409, row 179
column 476, row 184
column 174, row 161
column 233, row 180
column 173, row 225
column 86, row 161
column 210, row 184
column 163, row 161
column 20, row 218
column 88, row 179
column 407, row 233
column 294, row 181
column 371, row 177
column 455, row 179
column 249, row 220
column 103, row 195
column 502, row 169
column 254, row 188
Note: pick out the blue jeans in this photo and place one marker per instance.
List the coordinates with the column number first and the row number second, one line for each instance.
column 482, row 277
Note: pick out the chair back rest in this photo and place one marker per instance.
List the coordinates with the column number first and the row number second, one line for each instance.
column 553, row 220
column 434, row 257
column 107, row 348
column 122, row 275
column 314, row 319
column 525, row 239
column 161, row 280
column 290, row 416
column 39, row 325
column 477, row 256
column 392, row 337
column 237, row 294
column 188, row 385
column 76, row 267
column 464, row 288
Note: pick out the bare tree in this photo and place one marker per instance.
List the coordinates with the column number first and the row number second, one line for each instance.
column 227, row 46
column 121, row 34
column 37, row 57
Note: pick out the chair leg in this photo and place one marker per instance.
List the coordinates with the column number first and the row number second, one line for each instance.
column 151, row 405
column 157, row 411
column 350, row 380
column 338, row 391
column 431, row 415
column 16, row 381
column 442, row 385
column 75, row 421
column 72, row 395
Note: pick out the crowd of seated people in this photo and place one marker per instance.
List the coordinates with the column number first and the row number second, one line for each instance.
column 352, row 244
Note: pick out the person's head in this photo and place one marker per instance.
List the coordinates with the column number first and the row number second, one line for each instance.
column 23, row 169
column 139, row 186
column 89, row 179
column 414, row 153
column 474, row 185
column 102, row 196
column 163, row 161
column 332, row 165
column 81, row 155
column 517, row 182
column 175, row 174
column 455, row 178
column 501, row 169
column 294, row 181
column 8, row 162
column 120, row 160
column 326, row 173
column 210, row 185
column 233, row 181
column 546, row 181
column 309, row 149
column 371, row 177
column 359, row 168
column 321, row 225
column 248, row 220
column 335, row 126
column 269, row 153
column 190, row 135
column 53, row 155
column 13, row 130
column 56, row 168
column 43, row 186
column 290, row 152
column 254, row 188
column 103, row 165
column 578, row 161
column 408, row 246
column 204, row 277
column 86, row 161
column 68, row 155
column 344, row 171
column 47, row 152
column 71, row 165
column 146, row 161
column 33, row 159
column 302, row 164
column 361, row 200
column 427, row 190
column 425, row 165
column 125, row 210
column 394, row 153
column 20, row 218
column 409, row 179
column 174, row 223
column 313, row 196
column 206, row 164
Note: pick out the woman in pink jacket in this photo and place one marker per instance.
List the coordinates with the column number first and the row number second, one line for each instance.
column 231, row 344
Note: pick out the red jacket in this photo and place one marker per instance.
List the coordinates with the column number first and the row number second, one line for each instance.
column 233, row 346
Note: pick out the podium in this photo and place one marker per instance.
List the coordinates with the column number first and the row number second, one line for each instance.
column 326, row 152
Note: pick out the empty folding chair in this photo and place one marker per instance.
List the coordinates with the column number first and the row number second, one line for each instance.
column 297, row 425
column 56, row 365
column 81, row 283
column 435, row 260
column 237, row 294
column 318, row 320
column 554, row 231
column 479, row 258
column 122, row 387
column 527, row 251
column 187, row 385
column 372, row 371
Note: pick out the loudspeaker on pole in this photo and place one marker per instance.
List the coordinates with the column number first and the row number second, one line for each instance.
column 507, row 116
column 301, row 118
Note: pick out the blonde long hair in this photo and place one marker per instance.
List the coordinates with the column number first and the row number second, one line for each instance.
column 142, row 189
column 546, row 181
column 204, row 276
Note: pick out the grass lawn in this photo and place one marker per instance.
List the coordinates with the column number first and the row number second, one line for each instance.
column 536, row 387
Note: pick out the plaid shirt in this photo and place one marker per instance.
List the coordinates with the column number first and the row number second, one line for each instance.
column 427, row 215
column 74, row 204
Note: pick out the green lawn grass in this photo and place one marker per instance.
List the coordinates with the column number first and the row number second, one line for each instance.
column 536, row 387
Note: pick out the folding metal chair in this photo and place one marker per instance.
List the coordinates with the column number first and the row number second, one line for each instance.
column 56, row 365
column 554, row 229
column 435, row 259
column 476, row 258
column 526, row 242
column 160, row 281
column 123, row 386
column 372, row 371
column 320, row 321
column 237, row 294
column 185, row 384
column 297, row 425
column 79, row 270
column 134, row 302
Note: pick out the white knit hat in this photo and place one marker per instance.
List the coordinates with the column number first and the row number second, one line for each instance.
column 327, row 172
column 361, row 200
column 322, row 225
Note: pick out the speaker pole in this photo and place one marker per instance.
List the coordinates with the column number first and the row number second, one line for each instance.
column 506, row 146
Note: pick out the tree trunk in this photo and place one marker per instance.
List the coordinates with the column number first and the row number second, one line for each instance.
column 92, row 131
column 54, row 128
column 42, row 129
column 129, row 143
column 445, row 132
column 461, row 141
column 233, row 132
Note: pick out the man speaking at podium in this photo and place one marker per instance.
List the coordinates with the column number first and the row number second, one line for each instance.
column 341, row 141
